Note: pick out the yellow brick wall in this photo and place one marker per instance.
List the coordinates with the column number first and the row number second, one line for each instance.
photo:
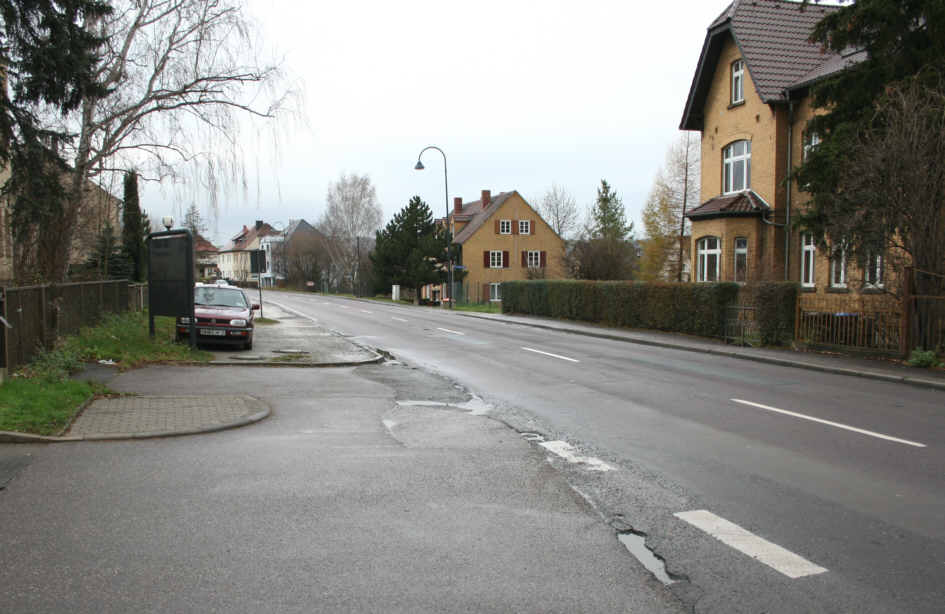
column 543, row 239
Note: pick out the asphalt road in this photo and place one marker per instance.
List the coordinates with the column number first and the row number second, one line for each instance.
column 839, row 482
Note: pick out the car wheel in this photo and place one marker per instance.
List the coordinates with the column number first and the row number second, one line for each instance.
column 248, row 345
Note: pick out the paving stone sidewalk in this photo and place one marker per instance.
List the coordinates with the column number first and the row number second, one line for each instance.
column 130, row 417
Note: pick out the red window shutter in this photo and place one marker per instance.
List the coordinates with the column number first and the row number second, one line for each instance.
column 524, row 259
column 544, row 259
column 505, row 260
column 497, row 226
column 485, row 292
column 485, row 259
column 514, row 227
column 531, row 229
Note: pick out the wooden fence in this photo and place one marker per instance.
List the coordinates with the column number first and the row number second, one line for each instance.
column 35, row 316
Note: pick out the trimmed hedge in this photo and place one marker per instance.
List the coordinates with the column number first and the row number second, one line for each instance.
column 775, row 304
column 695, row 309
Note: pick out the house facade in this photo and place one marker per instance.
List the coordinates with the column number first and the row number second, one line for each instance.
column 206, row 255
column 750, row 101
column 502, row 238
column 234, row 260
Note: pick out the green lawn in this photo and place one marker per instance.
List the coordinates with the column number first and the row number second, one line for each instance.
column 41, row 399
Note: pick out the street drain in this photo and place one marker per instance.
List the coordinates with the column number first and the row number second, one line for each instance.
column 636, row 544
column 289, row 351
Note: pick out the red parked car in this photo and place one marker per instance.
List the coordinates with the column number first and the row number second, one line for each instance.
column 224, row 316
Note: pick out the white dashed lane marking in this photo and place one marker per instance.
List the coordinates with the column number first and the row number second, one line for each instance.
column 760, row 549
column 398, row 319
column 550, row 354
column 845, row 427
column 366, row 311
column 446, row 330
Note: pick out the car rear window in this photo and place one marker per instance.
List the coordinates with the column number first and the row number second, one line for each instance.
column 220, row 297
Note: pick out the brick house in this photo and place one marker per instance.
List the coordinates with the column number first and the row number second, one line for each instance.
column 750, row 100
column 501, row 238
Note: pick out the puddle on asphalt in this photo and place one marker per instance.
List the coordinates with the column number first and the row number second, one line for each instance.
column 636, row 544
column 289, row 351
column 245, row 357
column 475, row 406
column 421, row 404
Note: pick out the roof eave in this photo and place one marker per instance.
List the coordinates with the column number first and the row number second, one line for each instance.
column 711, row 48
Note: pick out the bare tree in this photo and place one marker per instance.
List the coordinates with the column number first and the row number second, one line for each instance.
column 675, row 190
column 352, row 214
column 179, row 75
column 559, row 209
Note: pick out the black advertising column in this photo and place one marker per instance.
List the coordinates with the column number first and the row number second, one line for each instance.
column 171, row 277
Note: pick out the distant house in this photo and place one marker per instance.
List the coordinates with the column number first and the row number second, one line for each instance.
column 206, row 254
column 234, row 260
column 502, row 238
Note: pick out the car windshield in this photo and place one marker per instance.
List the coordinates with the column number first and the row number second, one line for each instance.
column 219, row 297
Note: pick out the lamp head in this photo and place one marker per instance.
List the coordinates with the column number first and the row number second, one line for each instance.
column 168, row 221
column 419, row 166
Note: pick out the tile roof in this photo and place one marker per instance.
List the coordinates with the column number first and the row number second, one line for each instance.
column 773, row 38
column 246, row 236
column 731, row 205
column 477, row 216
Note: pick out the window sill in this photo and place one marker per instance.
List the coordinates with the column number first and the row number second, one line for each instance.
column 833, row 290
column 873, row 290
column 809, row 289
column 740, row 103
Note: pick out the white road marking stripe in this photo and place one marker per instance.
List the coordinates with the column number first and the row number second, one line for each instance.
column 366, row 311
column 398, row 319
column 730, row 534
column 568, row 453
column 446, row 330
column 834, row 424
column 550, row 354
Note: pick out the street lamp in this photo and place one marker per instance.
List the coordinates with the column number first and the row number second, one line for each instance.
column 449, row 254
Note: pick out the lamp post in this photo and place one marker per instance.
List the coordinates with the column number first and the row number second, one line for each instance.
column 449, row 254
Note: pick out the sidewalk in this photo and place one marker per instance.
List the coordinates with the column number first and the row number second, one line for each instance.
column 828, row 363
column 293, row 341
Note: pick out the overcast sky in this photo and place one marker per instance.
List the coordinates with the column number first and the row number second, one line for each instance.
column 520, row 95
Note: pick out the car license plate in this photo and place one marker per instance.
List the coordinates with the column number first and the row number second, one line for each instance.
column 213, row 332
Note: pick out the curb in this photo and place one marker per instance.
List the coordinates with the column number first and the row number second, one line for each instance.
column 901, row 379
column 13, row 437
column 308, row 365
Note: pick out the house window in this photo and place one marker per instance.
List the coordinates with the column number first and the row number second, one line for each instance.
column 808, row 251
column 709, row 253
column 534, row 259
column 495, row 259
column 838, row 268
column 811, row 140
column 524, row 227
column 738, row 81
column 874, row 271
column 736, row 166
column 495, row 292
column 741, row 259
column 505, row 227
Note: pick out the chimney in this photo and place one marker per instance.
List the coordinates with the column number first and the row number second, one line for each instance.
column 486, row 198
column 457, row 205
column 259, row 224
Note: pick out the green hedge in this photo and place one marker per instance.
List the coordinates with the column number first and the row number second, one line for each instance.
column 696, row 309
column 775, row 304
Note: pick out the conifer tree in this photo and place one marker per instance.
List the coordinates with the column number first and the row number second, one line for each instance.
column 132, row 238
column 410, row 250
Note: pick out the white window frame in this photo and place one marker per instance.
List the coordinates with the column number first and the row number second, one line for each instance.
column 842, row 270
column 729, row 162
column 524, row 227
column 533, row 259
column 740, row 251
column 495, row 292
column 811, row 140
column 703, row 252
column 505, row 227
column 495, row 255
column 808, row 267
column 874, row 265
column 738, row 81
